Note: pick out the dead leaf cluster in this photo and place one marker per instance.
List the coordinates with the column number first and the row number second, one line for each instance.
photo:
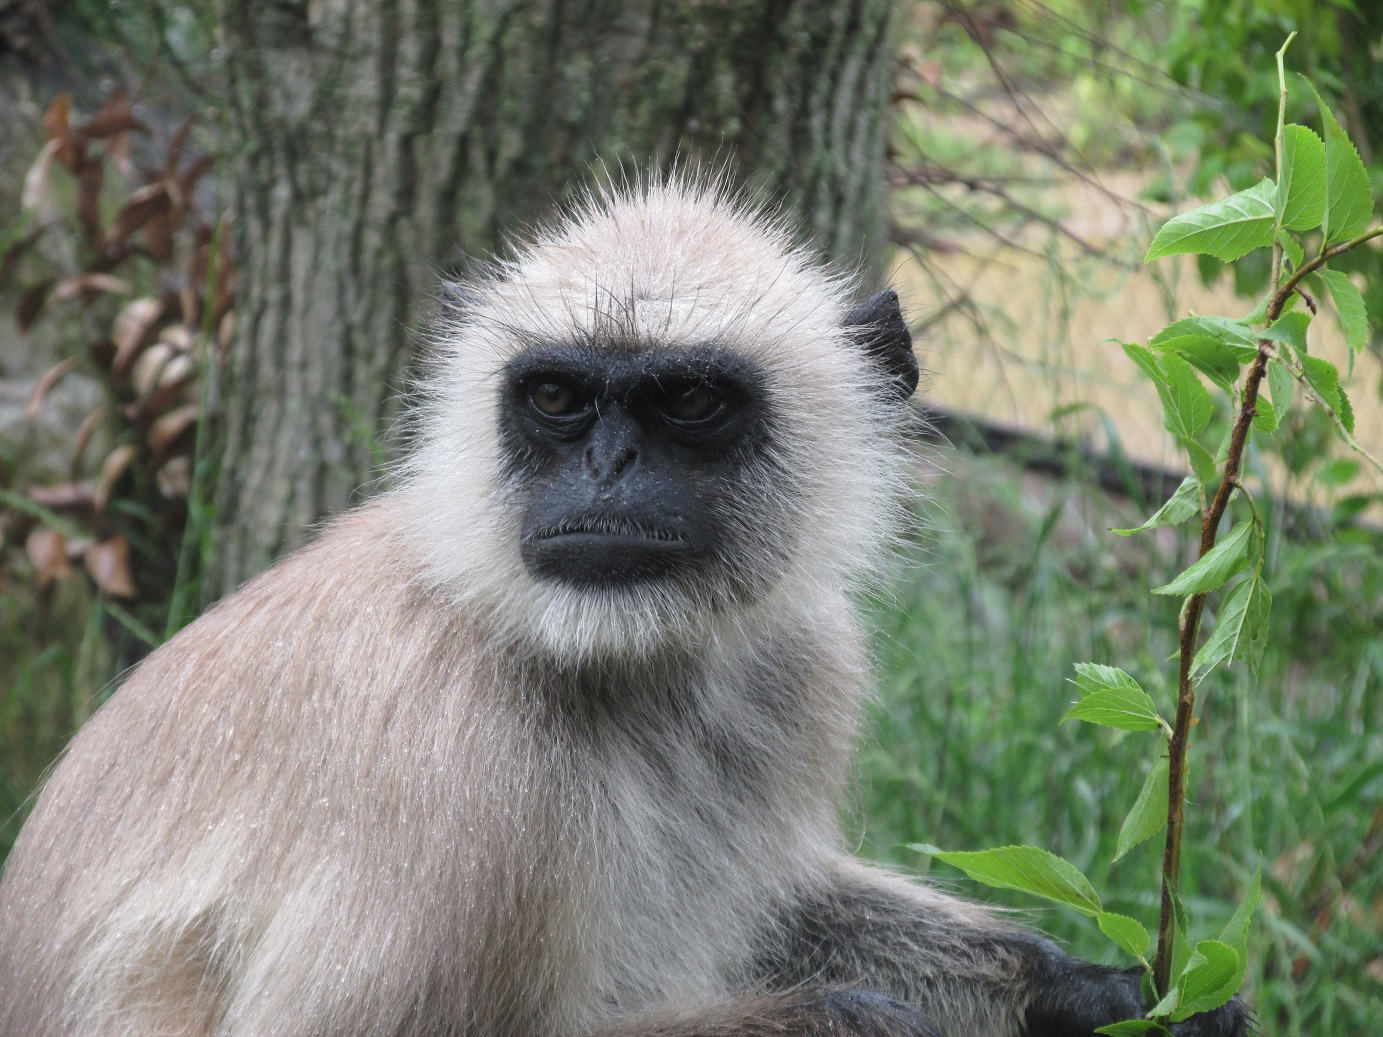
column 154, row 283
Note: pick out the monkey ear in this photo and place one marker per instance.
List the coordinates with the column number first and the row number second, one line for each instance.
column 877, row 324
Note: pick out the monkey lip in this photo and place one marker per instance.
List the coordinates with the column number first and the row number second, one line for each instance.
column 610, row 528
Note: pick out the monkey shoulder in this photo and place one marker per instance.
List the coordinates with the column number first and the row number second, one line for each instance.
column 291, row 688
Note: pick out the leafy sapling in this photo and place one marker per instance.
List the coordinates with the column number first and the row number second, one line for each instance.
column 1320, row 202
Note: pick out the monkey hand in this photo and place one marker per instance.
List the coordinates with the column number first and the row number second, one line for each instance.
column 1079, row 997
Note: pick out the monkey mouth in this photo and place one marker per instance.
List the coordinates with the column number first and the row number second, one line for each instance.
column 618, row 527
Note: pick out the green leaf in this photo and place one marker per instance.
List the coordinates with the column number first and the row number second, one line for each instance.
column 1167, row 1005
column 1349, row 304
column 1346, row 411
column 1325, row 379
column 1146, row 988
column 1348, row 195
column 1226, row 229
column 1027, row 869
column 1338, row 472
column 1236, row 931
column 1211, row 357
column 1323, row 376
column 1092, row 677
column 1211, row 978
column 1301, row 193
column 1118, row 708
column 1149, row 813
column 1148, row 362
column 1182, row 505
column 1242, row 629
column 1127, row 932
column 1201, row 462
column 1187, row 405
column 1136, row 1028
column 1179, row 915
column 1223, row 560
column 1283, row 386
column 1234, row 333
column 1289, row 328
column 1264, row 415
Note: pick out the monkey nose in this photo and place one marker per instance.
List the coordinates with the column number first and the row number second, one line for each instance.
column 613, row 447
column 606, row 466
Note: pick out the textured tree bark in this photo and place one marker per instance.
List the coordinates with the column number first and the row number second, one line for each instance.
column 378, row 144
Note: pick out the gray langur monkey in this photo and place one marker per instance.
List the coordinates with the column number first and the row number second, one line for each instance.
column 550, row 740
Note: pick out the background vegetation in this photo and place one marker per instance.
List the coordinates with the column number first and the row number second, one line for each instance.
column 1010, row 118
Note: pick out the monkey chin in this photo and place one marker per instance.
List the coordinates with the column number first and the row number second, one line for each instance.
column 632, row 621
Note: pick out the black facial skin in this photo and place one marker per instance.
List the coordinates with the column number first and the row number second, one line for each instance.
column 630, row 458
column 641, row 465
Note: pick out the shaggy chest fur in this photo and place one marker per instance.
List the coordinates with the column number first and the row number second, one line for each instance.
column 674, row 816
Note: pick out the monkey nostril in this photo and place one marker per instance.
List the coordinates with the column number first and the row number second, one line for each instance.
column 608, row 467
column 623, row 461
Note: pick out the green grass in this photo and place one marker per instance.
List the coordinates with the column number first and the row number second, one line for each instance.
column 1018, row 581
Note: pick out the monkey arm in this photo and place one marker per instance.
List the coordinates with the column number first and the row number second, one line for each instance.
column 969, row 973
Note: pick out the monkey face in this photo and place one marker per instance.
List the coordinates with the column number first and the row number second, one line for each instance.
column 659, row 426
column 636, row 466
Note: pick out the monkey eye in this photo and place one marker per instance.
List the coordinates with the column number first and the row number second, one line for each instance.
column 693, row 404
column 557, row 399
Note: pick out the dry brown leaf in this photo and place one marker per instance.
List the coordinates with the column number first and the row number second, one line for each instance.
column 90, row 177
column 116, row 116
column 133, row 329
column 158, row 235
column 156, row 366
column 165, row 431
column 57, row 128
column 64, row 496
column 143, row 205
column 191, row 301
column 31, row 304
column 47, row 551
column 44, row 386
column 112, row 468
column 180, row 373
column 57, row 117
column 187, row 179
column 37, row 194
column 180, row 337
column 85, row 431
column 118, row 149
column 87, row 284
column 175, row 478
column 108, row 562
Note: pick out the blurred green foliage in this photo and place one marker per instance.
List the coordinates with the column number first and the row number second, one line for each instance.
column 1224, row 50
column 1019, row 578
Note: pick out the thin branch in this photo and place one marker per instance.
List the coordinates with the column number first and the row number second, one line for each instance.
column 1326, row 255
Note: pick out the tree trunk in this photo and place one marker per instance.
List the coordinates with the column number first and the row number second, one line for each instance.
column 378, row 144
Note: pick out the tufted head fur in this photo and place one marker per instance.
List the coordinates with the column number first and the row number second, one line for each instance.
column 656, row 266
